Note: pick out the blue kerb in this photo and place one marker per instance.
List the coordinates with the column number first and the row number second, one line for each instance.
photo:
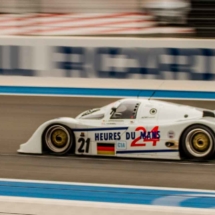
column 116, row 194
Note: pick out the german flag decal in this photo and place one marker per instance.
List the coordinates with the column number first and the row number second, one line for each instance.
column 105, row 149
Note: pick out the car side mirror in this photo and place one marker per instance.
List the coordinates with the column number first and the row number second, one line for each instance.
column 113, row 109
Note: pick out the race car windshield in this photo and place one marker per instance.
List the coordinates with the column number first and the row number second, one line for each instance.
column 126, row 110
column 92, row 114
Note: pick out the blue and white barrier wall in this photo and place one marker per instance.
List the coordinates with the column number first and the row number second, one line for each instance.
column 108, row 67
column 124, row 58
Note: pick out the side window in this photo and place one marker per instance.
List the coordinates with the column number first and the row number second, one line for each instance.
column 126, row 110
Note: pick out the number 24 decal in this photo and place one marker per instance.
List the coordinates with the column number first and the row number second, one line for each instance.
column 85, row 145
column 150, row 136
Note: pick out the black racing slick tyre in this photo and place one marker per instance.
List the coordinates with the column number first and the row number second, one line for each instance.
column 58, row 139
column 198, row 142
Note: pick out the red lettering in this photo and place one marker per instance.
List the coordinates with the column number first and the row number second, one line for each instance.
column 152, row 139
column 134, row 142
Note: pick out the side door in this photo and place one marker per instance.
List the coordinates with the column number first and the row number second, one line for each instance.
column 125, row 116
column 110, row 136
column 143, row 136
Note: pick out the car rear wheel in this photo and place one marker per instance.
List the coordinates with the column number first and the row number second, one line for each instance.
column 58, row 139
column 198, row 142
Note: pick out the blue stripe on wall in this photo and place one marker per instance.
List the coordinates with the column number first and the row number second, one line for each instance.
column 72, row 91
column 184, row 94
column 16, row 90
column 143, row 196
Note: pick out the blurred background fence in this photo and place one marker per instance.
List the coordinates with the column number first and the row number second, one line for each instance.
column 180, row 18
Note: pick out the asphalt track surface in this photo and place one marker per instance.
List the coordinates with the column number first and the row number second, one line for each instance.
column 21, row 115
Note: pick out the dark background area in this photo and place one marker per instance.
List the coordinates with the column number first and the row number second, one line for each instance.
column 202, row 17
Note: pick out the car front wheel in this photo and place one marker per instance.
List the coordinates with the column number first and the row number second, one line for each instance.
column 198, row 142
column 58, row 139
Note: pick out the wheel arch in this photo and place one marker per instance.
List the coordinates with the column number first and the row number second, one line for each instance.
column 181, row 152
column 45, row 148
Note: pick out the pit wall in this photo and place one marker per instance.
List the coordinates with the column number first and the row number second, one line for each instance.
column 99, row 66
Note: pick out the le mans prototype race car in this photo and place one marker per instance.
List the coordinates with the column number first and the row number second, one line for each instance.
column 130, row 128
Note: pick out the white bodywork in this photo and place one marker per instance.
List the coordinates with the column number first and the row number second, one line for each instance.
column 154, row 132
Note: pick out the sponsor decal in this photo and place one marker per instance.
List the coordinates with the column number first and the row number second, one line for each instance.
column 82, row 134
column 105, row 149
column 146, row 136
column 148, row 117
column 121, row 145
column 153, row 111
column 171, row 134
column 107, row 136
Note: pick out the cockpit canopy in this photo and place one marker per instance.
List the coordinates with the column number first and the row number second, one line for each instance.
column 123, row 109
column 143, row 110
column 92, row 114
column 126, row 110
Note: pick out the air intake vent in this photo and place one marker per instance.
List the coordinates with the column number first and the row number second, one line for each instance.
column 208, row 114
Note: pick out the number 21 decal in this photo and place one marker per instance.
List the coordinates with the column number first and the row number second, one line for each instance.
column 85, row 145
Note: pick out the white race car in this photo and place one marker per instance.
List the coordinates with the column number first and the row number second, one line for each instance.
column 130, row 128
